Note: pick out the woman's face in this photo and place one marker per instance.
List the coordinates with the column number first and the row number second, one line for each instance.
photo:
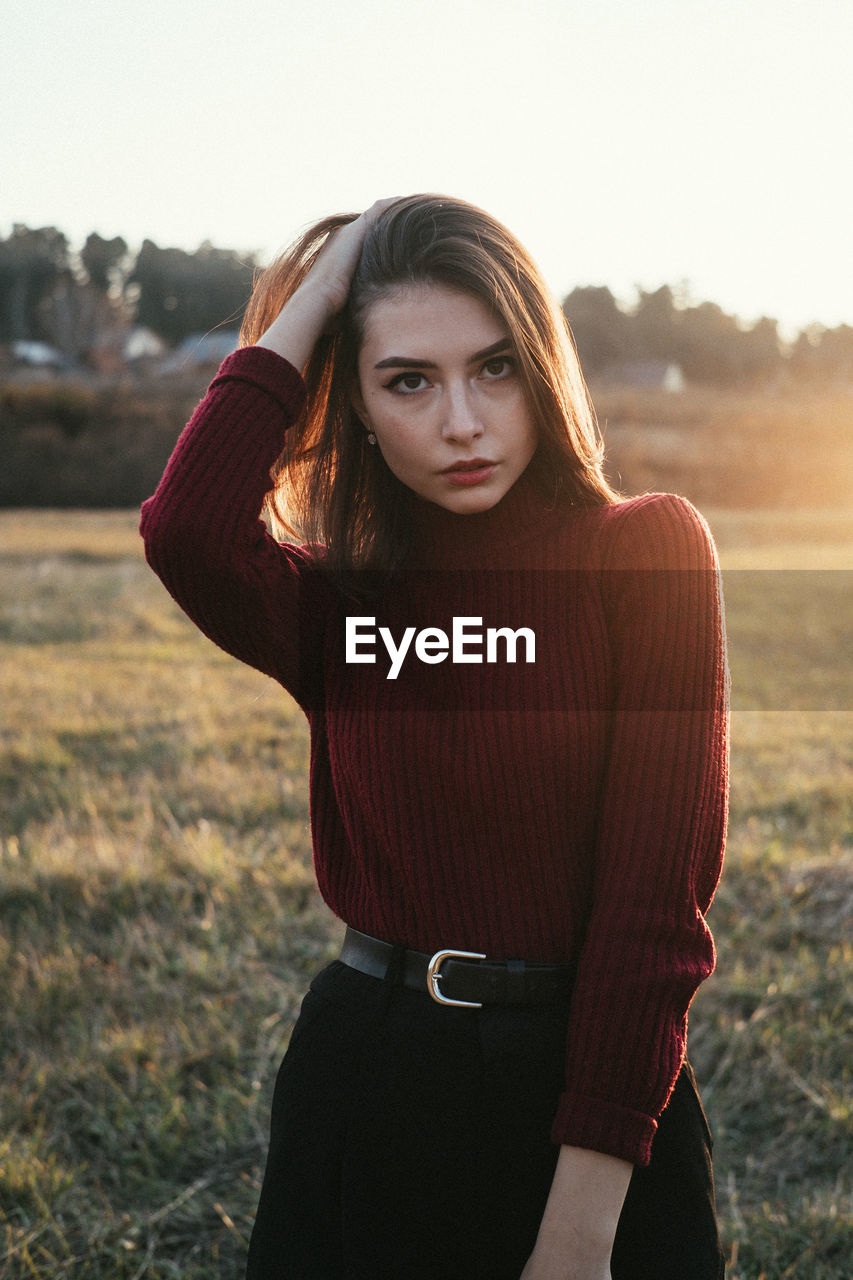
column 439, row 387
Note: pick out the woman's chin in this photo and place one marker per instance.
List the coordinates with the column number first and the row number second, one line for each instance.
column 468, row 499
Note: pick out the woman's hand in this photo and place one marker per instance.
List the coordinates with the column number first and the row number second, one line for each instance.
column 580, row 1219
column 544, row 1264
column 331, row 274
column 322, row 294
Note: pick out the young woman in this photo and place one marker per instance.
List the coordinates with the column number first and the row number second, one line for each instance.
column 516, row 687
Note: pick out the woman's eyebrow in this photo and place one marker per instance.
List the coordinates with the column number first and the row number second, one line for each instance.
column 412, row 362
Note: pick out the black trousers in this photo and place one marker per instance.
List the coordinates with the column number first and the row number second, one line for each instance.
column 411, row 1142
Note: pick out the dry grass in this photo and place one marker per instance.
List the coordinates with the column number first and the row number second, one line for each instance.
column 159, row 917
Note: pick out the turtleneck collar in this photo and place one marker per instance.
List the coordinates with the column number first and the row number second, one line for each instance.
column 445, row 539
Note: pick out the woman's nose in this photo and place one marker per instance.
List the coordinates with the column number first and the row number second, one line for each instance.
column 461, row 419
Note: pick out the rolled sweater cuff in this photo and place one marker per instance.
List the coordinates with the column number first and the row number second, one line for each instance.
column 267, row 371
column 601, row 1126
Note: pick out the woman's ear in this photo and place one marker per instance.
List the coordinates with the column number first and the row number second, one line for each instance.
column 356, row 399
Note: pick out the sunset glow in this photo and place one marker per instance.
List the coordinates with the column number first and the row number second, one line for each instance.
column 625, row 144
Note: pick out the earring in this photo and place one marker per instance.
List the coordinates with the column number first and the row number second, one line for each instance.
column 371, row 438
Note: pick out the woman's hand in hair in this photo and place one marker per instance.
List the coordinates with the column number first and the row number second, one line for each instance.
column 312, row 308
column 332, row 271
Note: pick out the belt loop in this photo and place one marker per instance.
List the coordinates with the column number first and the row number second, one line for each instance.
column 396, row 965
column 515, row 981
column 394, row 975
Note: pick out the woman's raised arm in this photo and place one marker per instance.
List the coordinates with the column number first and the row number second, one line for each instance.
column 202, row 528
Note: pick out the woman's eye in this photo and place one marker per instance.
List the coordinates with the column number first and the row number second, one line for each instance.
column 498, row 367
column 406, row 382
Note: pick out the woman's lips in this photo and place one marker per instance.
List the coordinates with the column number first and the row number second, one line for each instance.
column 470, row 473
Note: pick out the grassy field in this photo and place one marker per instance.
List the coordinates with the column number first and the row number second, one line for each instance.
column 158, row 918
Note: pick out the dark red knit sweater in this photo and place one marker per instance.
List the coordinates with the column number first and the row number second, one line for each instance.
column 570, row 808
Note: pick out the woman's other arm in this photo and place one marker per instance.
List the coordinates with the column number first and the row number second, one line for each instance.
column 660, row 845
column 661, row 829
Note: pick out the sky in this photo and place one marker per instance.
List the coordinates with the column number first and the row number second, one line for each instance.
column 702, row 143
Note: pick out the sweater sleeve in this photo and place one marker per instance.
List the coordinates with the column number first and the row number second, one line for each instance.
column 202, row 528
column 661, row 829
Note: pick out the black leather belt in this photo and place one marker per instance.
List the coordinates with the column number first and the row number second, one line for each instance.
column 463, row 978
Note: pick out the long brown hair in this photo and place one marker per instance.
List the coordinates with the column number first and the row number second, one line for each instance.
column 329, row 486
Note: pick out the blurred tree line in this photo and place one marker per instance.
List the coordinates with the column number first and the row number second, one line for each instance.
column 707, row 344
column 49, row 293
column 72, row 299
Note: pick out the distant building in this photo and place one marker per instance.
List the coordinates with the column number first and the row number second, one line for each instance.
column 202, row 349
column 652, row 375
column 39, row 355
column 142, row 344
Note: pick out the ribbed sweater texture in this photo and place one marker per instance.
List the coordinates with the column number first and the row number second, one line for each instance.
column 567, row 809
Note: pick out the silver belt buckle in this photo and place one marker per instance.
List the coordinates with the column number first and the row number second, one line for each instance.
column 434, row 977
